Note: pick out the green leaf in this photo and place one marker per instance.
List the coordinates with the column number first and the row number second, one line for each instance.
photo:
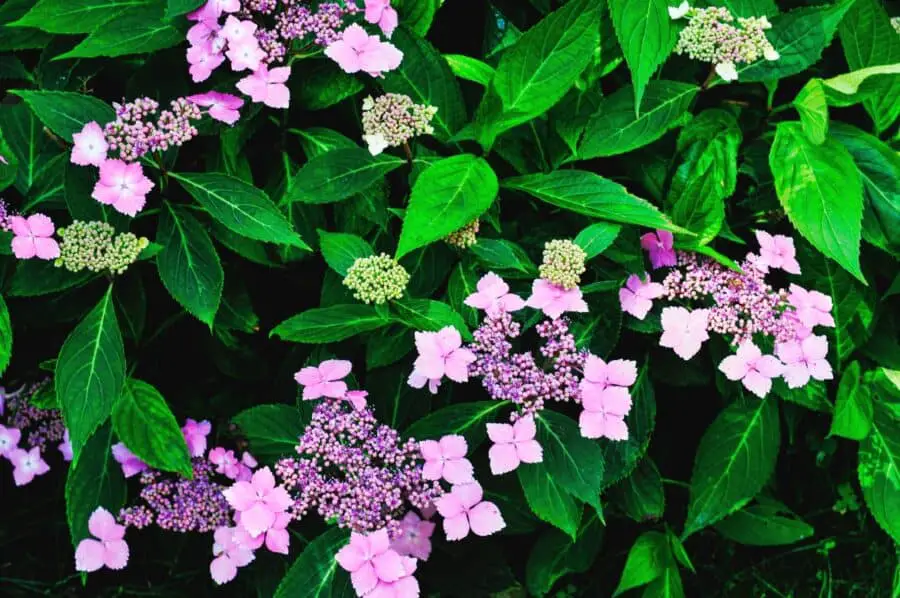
column 621, row 457
column 735, row 459
column 339, row 174
column 503, row 257
column 241, row 207
column 879, row 469
column 592, row 195
column 615, row 129
column 426, row 77
column 467, row 419
column 322, row 85
column 448, row 195
column 340, row 250
column 576, row 463
column 428, row 314
column 6, row 336
column 330, row 324
column 869, row 40
column 188, row 264
column 812, row 396
column 176, row 8
column 547, row 499
column 820, row 189
column 853, row 406
column 555, row 555
column 811, row 105
column 33, row 278
column 646, row 34
column 762, row 525
column 137, row 31
column 90, row 372
column 94, row 480
column 799, row 36
column 74, row 16
column 648, row 558
column 470, row 69
column 641, row 495
column 314, row 573
column 749, row 8
column 597, row 237
column 271, row 430
column 143, row 421
column 65, row 112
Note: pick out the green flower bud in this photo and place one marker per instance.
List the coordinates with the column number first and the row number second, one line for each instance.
column 376, row 279
column 563, row 263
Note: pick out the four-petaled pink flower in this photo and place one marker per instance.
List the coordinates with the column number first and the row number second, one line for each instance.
column 415, row 537
column 599, row 375
column 9, row 440
column 90, row 146
column 463, row 510
column 203, row 61
column 195, row 434
column 660, row 246
column 446, row 459
column 326, row 380
column 229, row 555
column 109, row 549
column 604, row 413
column 380, row 12
column 223, row 107
column 370, row 559
column 213, row 9
column 513, row 444
column 239, row 32
column 122, row 186
column 555, row 300
column 804, row 359
column 440, row 354
column 752, row 368
column 28, row 464
column 493, row 296
column 267, row 86
column 131, row 464
column 258, row 501
column 34, row 237
column 246, row 56
column 684, row 331
column 276, row 539
column 636, row 297
column 812, row 307
column 405, row 587
column 358, row 51
column 777, row 252
column 229, row 465
column 65, row 447
column 357, row 398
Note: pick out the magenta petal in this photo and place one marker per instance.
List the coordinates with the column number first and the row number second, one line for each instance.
column 241, row 496
column 388, row 566
column 258, row 519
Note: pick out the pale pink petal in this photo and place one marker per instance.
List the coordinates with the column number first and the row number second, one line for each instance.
column 524, row 429
column 449, row 505
column 89, row 555
column 334, row 390
column 616, row 399
column 278, row 499
column 46, row 249
column 592, row 424
column 116, row 554
column 621, row 372
column 379, row 541
column 790, row 352
column 796, row 375
column 20, row 226
column 278, row 96
column 130, row 204
column 485, row 519
column 24, row 247
column 41, row 225
column 458, row 471
column 529, row 451
column 453, row 446
column 432, row 470
column 364, row 579
column 103, row 526
column 350, row 557
column 769, row 366
column 222, row 569
column 334, row 369
column 632, row 304
column 278, row 540
column 469, row 494
column 503, row 458
column 595, row 370
column 456, row 367
column 388, row 566
column 820, row 369
column 342, row 53
column 431, row 450
column 815, row 347
column 456, row 527
column 263, row 480
column 257, row 519
column 615, row 428
column 757, row 383
column 500, row 433
column 734, row 367
column 241, row 496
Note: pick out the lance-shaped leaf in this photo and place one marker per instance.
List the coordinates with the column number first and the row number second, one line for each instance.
column 339, row 174
column 316, row 573
column 330, row 324
column 64, row 112
column 95, row 480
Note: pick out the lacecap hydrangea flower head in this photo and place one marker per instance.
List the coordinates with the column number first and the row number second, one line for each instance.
column 376, row 279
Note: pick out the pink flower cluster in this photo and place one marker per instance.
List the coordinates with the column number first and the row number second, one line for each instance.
column 40, row 428
column 605, row 397
column 740, row 305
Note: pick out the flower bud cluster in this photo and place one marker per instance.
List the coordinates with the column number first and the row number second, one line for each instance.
column 95, row 246
column 563, row 263
column 376, row 279
column 393, row 119
column 133, row 134
column 714, row 35
column 464, row 237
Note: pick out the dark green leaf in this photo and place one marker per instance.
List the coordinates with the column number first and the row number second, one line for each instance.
column 504, row 257
column 547, row 500
column 621, row 457
column 329, row 324
column 555, row 555
column 647, row 560
column 467, row 419
column 271, row 430
column 74, row 16
column 641, row 495
column 137, row 31
column 65, row 112
column 6, row 336
column 428, row 314
column 853, row 406
column 339, row 174
column 879, row 469
column 763, row 525
column 576, row 463
column 314, row 573
column 596, row 238
column 37, row 277
column 340, row 250
column 470, row 69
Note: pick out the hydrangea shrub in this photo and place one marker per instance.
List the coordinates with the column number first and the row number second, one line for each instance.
column 400, row 298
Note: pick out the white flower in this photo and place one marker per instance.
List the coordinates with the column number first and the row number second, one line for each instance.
column 771, row 53
column 676, row 12
column 727, row 71
column 377, row 143
column 368, row 103
column 764, row 22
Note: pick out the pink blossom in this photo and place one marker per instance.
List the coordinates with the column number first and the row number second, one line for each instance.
column 3, row 160
column 405, row 587
column 65, row 447
column 276, row 538
column 267, row 86
column 213, row 9
column 28, row 464
column 555, row 300
column 326, row 380
column 207, row 33
column 238, row 32
column 463, row 509
column 752, row 368
column 660, row 245
column 446, row 459
column 442, row 354
column 357, row 398
column 684, row 331
column 380, row 12
column 812, row 307
column 604, row 413
column 109, row 549
column 417, row 380
column 229, row 555
column 123, row 186
column 223, row 107
column 804, row 359
column 636, row 297
column 245, row 467
column 203, row 61
column 493, row 296
column 9, row 440
column 415, row 537
column 228, row 464
column 777, row 252
column 130, row 463
column 513, row 444
column 370, row 559
column 246, row 55
column 599, row 375
column 34, row 237
column 90, row 146
column 358, row 51
column 258, row 501
column 195, row 434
